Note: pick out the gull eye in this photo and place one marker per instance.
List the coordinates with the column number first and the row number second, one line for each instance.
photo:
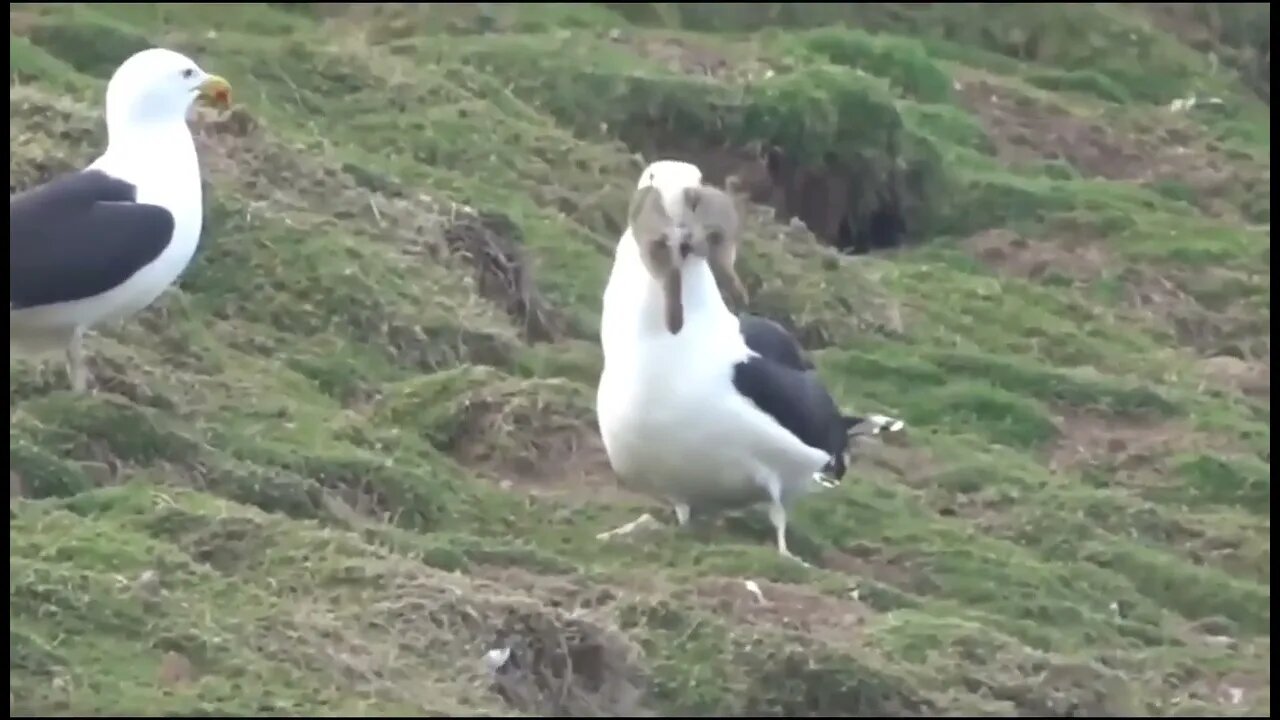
column 188, row 74
column 715, row 237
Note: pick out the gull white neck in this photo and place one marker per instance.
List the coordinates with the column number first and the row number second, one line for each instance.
column 159, row 158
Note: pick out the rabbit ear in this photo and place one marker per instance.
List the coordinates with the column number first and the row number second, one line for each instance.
column 715, row 212
column 652, row 229
column 646, row 215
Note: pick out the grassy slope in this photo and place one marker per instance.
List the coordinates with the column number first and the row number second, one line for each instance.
column 329, row 473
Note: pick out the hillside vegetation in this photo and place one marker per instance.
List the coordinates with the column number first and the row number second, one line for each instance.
column 355, row 450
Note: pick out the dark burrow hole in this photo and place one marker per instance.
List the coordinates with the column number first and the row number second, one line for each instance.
column 842, row 204
column 494, row 246
column 566, row 667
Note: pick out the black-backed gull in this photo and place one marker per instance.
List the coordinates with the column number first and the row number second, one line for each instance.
column 100, row 244
column 699, row 406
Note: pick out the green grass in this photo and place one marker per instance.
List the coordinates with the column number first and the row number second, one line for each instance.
column 334, row 468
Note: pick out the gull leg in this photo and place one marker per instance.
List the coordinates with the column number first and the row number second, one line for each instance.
column 76, row 369
column 778, row 516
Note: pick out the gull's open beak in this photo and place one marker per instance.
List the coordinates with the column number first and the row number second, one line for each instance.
column 216, row 91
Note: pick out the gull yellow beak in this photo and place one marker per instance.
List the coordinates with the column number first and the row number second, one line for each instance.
column 216, row 91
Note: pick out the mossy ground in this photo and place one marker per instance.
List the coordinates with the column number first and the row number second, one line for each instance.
column 338, row 465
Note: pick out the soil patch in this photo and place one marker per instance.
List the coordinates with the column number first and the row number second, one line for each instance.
column 1211, row 29
column 1250, row 377
column 569, row 459
column 1159, row 296
column 1228, row 331
column 533, row 440
column 566, row 666
column 678, row 54
column 1016, row 255
column 1026, row 131
column 898, row 571
column 780, row 605
column 491, row 243
column 1088, row 440
column 539, row 660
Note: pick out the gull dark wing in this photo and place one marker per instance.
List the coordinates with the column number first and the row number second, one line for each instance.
column 80, row 235
column 771, row 340
column 797, row 400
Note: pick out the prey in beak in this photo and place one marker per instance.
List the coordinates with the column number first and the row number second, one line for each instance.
column 215, row 91
column 716, row 214
column 664, row 246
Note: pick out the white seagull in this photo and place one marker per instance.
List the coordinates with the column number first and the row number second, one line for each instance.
column 695, row 404
column 100, row 244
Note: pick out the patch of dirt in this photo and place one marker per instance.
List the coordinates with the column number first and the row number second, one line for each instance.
column 1015, row 255
column 935, row 482
column 786, row 606
column 677, row 54
column 1156, row 295
column 537, row 659
column 34, row 156
column 1248, row 692
column 1212, row 29
column 491, row 243
column 531, row 442
column 570, row 593
column 1092, row 440
column 566, row 666
column 566, row 460
column 231, row 141
column 792, row 608
column 1026, row 131
column 795, row 611
column 111, row 374
column 1230, row 331
column 916, row 468
column 21, row 21
column 693, row 56
column 899, row 571
column 176, row 669
column 1250, row 377
column 557, row 654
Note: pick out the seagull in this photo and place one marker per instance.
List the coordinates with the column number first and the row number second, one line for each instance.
column 695, row 404
column 100, row 244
